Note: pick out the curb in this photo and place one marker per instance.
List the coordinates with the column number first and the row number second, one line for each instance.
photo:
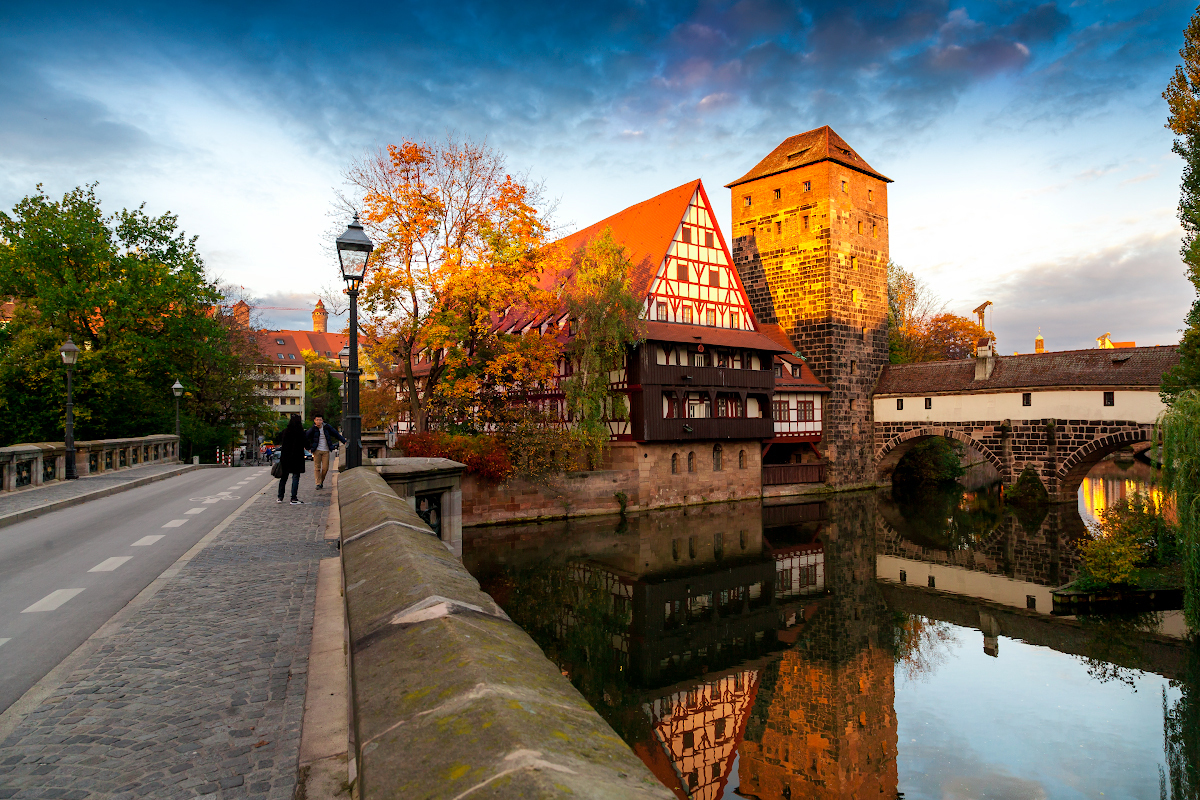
column 15, row 714
column 46, row 508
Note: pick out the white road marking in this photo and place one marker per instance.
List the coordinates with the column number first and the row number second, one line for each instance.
column 213, row 500
column 109, row 564
column 221, row 493
column 2, row 641
column 175, row 523
column 195, row 510
column 146, row 541
column 52, row 600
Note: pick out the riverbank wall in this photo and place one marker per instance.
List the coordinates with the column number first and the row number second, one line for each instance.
column 448, row 696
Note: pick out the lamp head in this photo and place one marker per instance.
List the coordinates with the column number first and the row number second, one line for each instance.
column 354, row 249
column 344, row 357
column 177, row 389
column 69, row 352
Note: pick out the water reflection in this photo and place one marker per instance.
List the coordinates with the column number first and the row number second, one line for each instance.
column 1113, row 480
column 861, row 647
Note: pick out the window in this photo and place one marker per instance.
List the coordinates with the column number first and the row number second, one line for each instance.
column 870, row 195
column 292, row 356
column 662, row 312
column 1109, row 399
column 1031, row 602
column 781, row 411
column 862, row 332
column 687, row 235
column 280, row 341
column 874, row 231
column 711, row 317
column 699, row 360
column 735, row 320
column 687, row 314
column 796, row 371
column 806, row 411
column 853, row 405
column 1027, row 399
column 681, row 271
column 903, row 576
column 899, row 403
column 854, row 259
column 844, row 189
column 293, row 370
column 853, row 367
column 778, row 228
column 806, row 222
column 932, row 583
column 714, row 277
column 718, row 458
column 281, row 355
column 855, row 296
column 860, row 226
column 778, row 194
column 708, row 239
column 808, row 186
column 746, row 201
column 778, row 370
column 691, row 462
column 674, row 463
column 741, row 459
column 929, row 402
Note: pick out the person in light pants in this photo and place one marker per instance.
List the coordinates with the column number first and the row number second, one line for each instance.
column 322, row 439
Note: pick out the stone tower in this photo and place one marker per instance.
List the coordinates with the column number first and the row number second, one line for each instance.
column 320, row 318
column 810, row 240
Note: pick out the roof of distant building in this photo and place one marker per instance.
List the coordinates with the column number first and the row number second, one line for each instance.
column 287, row 347
column 1131, row 367
column 810, row 147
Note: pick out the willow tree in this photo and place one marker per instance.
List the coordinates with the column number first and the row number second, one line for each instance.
column 1179, row 427
column 606, row 315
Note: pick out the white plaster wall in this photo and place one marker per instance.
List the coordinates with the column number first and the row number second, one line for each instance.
column 1136, row 405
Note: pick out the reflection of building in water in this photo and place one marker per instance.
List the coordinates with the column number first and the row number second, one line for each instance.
column 1109, row 482
column 696, row 733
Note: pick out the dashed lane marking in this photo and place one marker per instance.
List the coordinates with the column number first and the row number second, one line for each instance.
column 146, row 541
column 175, row 523
column 2, row 641
column 194, row 510
column 52, row 601
column 109, row 564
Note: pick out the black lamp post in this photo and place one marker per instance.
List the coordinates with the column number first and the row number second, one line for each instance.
column 344, row 360
column 70, row 353
column 354, row 249
column 178, row 390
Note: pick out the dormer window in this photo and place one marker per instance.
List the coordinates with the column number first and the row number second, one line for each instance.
column 292, row 356
column 280, row 341
column 779, row 370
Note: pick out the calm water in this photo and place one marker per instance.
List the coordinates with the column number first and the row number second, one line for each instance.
column 799, row 651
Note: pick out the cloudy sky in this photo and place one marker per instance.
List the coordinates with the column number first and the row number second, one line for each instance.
column 1026, row 140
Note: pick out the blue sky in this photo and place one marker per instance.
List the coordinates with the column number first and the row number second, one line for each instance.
column 1026, row 140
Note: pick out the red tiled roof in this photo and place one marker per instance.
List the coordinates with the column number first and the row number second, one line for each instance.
column 789, row 381
column 719, row 337
column 296, row 342
column 1133, row 366
column 777, row 335
column 811, row 147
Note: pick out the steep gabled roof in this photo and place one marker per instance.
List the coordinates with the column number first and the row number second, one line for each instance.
column 646, row 231
column 821, row 144
column 1130, row 367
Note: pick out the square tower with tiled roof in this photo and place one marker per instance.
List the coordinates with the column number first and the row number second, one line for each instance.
column 810, row 240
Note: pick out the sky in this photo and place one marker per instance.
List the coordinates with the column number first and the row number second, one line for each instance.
column 1026, row 140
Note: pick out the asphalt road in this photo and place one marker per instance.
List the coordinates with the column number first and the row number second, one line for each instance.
column 64, row 574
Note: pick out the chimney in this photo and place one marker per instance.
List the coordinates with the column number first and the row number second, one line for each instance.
column 985, row 359
column 320, row 318
column 1039, row 344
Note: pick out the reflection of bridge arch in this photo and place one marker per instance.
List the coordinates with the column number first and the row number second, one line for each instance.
column 895, row 448
column 1076, row 466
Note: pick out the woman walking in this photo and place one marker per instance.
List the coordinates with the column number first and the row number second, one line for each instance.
column 291, row 457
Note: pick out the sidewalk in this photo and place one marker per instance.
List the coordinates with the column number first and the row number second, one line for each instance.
column 200, row 692
column 18, row 505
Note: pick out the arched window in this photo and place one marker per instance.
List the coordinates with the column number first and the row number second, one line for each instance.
column 691, row 462
column 741, row 459
column 674, row 463
column 718, row 452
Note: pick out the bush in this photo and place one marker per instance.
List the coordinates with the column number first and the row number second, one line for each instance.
column 930, row 461
column 1131, row 534
column 1028, row 490
column 1110, row 560
column 483, row 455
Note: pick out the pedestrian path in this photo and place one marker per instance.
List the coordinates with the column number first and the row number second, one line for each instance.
column 104, row 482
column 200, row 693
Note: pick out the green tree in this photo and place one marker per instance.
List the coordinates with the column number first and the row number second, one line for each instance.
column 322, row 389
column 1183, row 100
column 131, row 291
column 606, row 314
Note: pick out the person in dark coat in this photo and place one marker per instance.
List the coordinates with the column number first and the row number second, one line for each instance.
column 292, row 457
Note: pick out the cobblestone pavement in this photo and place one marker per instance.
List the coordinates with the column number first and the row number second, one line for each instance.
column 201, row 693
column 12, row 502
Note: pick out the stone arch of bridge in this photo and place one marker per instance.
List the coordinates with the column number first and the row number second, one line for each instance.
column 1076, row 466
column 895, row 448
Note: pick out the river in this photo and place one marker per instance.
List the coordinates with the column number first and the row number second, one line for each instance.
column 856, row 647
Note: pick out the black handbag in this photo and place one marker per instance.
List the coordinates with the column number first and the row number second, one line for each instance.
column 277, row 470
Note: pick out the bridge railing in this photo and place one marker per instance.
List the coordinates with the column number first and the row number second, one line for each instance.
column 23, row 465
column 785, row 474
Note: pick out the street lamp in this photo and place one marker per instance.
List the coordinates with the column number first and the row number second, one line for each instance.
column 344, row 360
column 70, row 353
column 354, row 250
column 178, row 390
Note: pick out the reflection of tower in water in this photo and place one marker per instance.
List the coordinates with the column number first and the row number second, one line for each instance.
column 824, row 722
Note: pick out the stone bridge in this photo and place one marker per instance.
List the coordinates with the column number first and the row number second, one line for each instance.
column 1059, row 413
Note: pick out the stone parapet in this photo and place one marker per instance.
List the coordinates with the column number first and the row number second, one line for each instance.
column 449, row 697
column 37, row 463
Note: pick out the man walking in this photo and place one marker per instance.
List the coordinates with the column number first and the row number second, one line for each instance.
column 322, row 439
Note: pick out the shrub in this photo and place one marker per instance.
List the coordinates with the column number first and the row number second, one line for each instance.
column 1028, row 490
column 1131, row 534
column 1110, row 559
column 483, row 455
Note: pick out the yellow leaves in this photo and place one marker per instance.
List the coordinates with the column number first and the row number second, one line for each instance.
column 1184, row 86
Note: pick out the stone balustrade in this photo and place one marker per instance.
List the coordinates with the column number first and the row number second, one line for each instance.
column 38, row 463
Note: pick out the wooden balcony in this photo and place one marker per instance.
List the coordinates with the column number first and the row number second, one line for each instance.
column 701, row 378
column 786, row 474
column 682, row 430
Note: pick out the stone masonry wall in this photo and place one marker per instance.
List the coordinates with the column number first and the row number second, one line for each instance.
column 815, row 263
column 642, row 471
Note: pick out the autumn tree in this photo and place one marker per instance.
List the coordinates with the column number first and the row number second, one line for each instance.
column 919, row 327
column 606, row 313
column 458, row 240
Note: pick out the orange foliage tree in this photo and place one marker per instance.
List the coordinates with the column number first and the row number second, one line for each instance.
column 458, row 240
